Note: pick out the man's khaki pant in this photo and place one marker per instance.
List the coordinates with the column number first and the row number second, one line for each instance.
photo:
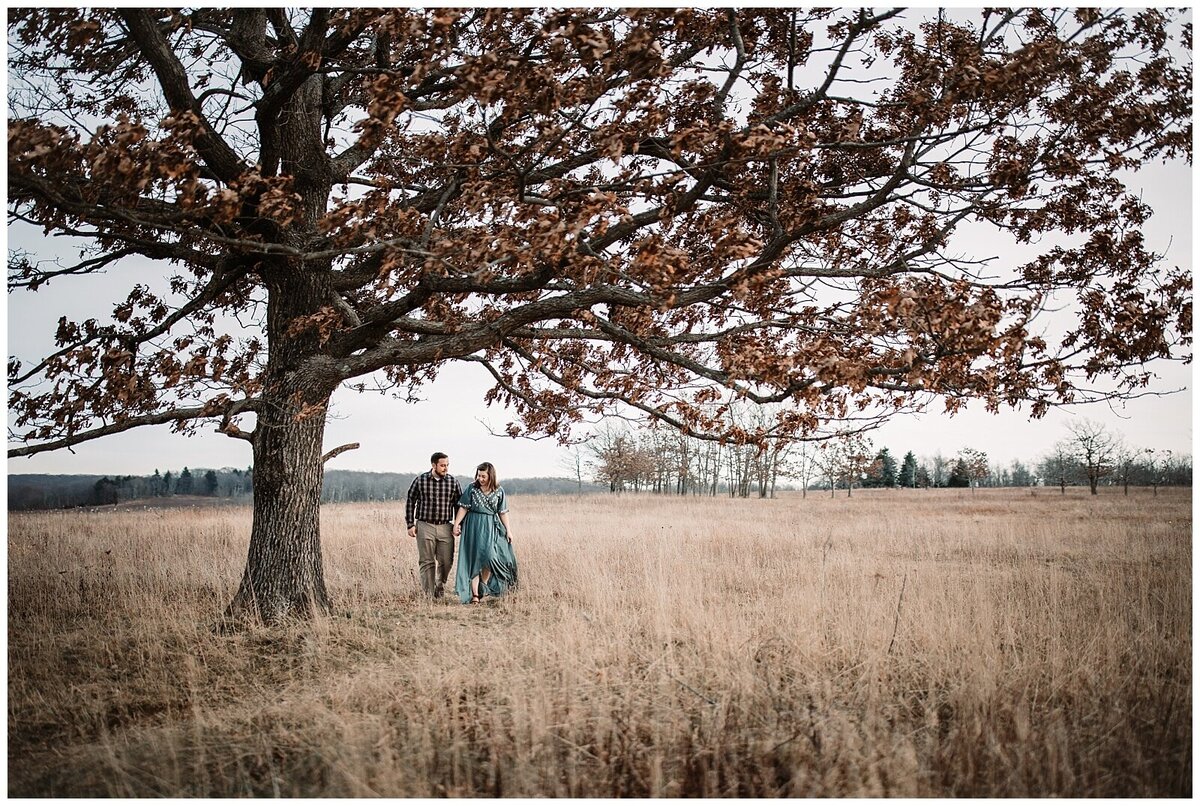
column 435, row 553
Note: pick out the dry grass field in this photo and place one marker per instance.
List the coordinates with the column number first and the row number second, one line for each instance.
column 899, row 643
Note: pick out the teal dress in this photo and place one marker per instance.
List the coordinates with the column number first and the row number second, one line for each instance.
column 484, row 544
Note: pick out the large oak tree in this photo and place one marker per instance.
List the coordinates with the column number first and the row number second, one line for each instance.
column 655, row 209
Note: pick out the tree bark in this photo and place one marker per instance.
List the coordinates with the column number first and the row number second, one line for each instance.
column 284, row 575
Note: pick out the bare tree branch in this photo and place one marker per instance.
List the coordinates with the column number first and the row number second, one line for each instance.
column 157, row 418
column 173, row 80
column 350, row 446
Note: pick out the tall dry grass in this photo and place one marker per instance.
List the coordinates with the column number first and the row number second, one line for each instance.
column 908, row 643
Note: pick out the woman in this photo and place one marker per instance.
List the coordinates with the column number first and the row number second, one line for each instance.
column 486, row 565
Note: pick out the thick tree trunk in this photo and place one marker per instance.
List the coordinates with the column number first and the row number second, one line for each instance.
column 284, row 574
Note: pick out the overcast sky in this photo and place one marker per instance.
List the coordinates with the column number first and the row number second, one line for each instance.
column 398, row 436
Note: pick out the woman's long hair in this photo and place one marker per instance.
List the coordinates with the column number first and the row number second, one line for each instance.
column 490, row 469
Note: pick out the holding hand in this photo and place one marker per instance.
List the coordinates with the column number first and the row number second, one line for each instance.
column 457, row 529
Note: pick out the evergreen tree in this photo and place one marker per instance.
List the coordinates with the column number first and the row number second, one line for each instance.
column 960, row 476
column 104, row 492
column 184, row 485
column 886, row 468
column 908, row 471
column 166, row 488
column 210, row 483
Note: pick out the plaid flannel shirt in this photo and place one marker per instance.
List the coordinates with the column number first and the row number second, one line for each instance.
column 431, row 499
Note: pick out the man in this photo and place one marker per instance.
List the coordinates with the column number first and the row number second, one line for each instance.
column 428, row 513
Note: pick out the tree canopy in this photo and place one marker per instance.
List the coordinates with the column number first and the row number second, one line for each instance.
column 593, row 206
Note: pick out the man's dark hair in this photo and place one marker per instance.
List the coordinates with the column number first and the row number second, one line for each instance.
column 437, row 457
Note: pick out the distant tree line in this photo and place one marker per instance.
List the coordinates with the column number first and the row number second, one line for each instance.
column 658, row 460
column 38, row 491
column 655, row 459
column 59, row 492
column 358, row 485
